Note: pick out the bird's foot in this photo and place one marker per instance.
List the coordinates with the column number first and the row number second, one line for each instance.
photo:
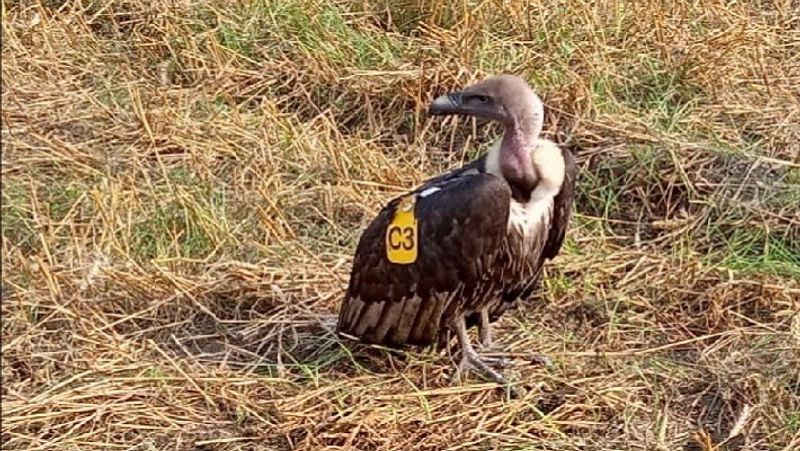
column 481, row 365
column 499, row 361
column 470, row 360
column 489, row 347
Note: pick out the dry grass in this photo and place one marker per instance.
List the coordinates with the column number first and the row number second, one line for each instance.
column 184, row 183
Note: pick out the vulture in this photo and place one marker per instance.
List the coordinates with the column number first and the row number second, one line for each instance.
column 463, row 247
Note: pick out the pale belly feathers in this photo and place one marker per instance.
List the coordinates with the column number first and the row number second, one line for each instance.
column 531, row 221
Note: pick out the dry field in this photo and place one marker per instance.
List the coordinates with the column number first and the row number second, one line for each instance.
column 184, row 184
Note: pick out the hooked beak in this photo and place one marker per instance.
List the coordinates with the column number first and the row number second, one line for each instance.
column 449, row 103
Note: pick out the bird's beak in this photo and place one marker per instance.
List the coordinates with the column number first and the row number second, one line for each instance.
column 449, row 103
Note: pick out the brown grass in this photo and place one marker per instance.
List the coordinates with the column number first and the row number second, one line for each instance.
column 184, row 183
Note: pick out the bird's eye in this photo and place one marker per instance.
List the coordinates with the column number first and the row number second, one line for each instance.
column 482, row 99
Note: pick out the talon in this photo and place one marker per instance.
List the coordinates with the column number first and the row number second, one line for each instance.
column 540, row 359
column 501, row 362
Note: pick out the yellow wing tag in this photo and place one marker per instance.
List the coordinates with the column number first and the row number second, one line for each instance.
column 401, row 235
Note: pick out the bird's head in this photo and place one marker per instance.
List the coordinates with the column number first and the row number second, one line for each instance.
column 507, row 99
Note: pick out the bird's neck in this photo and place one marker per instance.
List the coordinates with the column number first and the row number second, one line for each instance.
column 515, row 162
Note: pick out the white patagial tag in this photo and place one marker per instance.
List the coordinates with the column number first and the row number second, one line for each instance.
column 429, row 191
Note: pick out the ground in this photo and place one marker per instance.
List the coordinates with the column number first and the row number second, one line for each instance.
column 184, row 184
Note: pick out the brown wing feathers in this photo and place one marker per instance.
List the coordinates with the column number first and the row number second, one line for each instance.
column 460, row 229
column 562, row 207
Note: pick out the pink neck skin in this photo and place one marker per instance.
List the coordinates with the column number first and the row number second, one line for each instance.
column 515, row 159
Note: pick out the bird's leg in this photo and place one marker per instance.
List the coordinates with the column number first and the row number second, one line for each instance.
column 484, row 329
column 469, row 358
column 485, row 335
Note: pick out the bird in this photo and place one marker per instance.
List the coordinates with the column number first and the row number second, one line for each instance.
column 465, row 246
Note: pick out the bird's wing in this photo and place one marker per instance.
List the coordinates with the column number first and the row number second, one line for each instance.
column 460, row 225
column 562, row 208
column 474, row 167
